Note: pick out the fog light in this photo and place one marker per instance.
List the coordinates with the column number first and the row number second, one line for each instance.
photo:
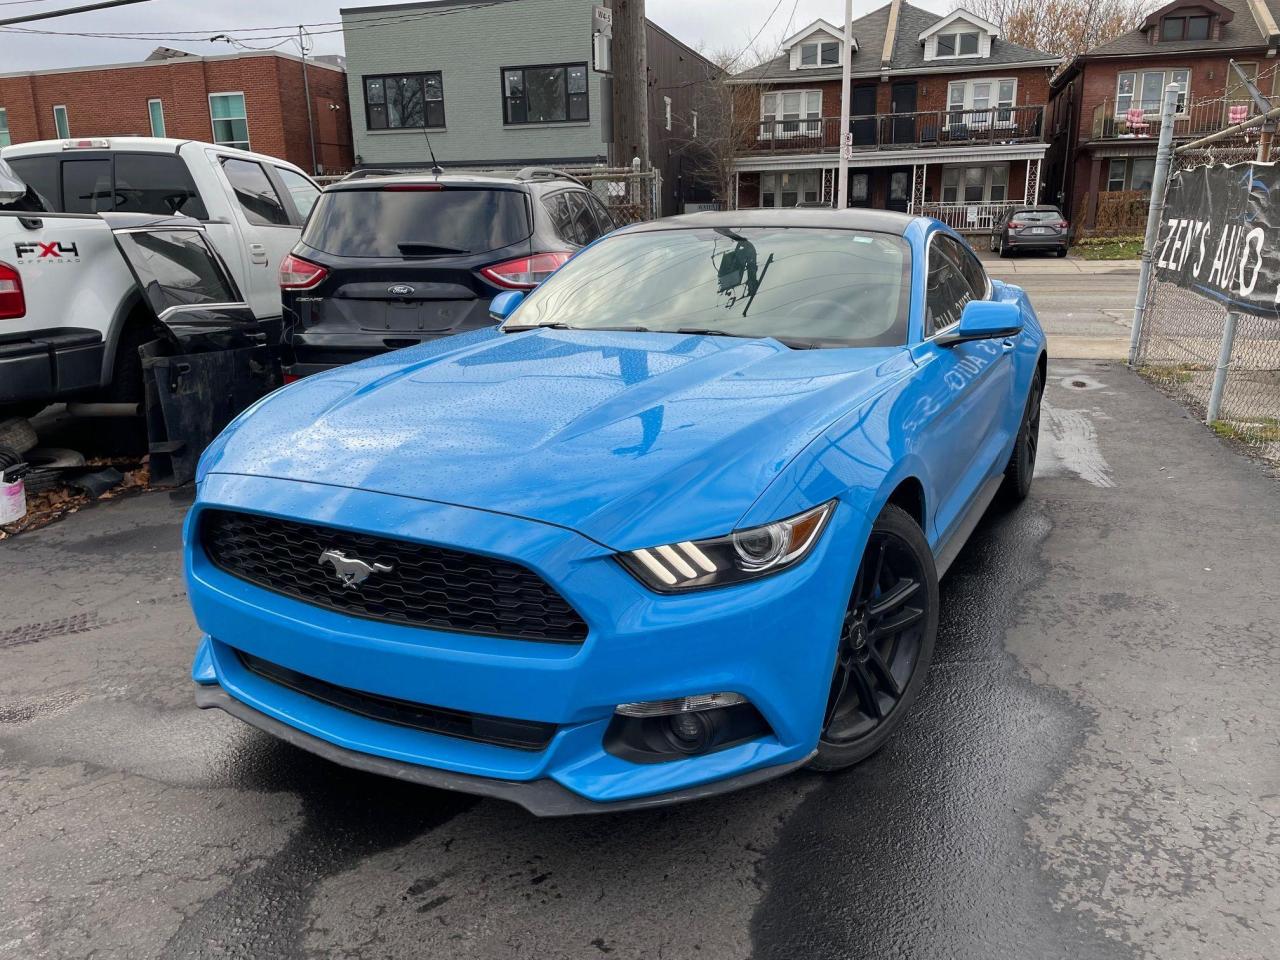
column 694, row 704
column 689, row 732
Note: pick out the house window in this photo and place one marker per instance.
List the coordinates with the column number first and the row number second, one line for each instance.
column 791, row 113
column 981, row 95
column 545, row 94
column 1144, row 90
column 788, row 189
column 979, row 184
column 60, row 122
column 859, row 187
column 411, row 101
column 5, row 139
column 693, row 123
column 155, row 109
column 958, row 44
column 1116, row 174
column 666, row 111
column 1135, row 173
column 1184, row 28
column 230, row 123
column 820, row 54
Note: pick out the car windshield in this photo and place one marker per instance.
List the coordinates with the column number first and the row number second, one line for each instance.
column 1038, row 216
column 408, row 221
column 803, row 286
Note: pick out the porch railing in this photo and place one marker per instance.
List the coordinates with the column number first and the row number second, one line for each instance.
column 896, row 131
column 968, row 217
column 1140, row 119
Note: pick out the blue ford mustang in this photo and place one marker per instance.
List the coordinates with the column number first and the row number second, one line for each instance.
column 674, row 527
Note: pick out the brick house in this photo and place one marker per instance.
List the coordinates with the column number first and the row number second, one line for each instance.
column 946, row 118
column 249, row 100
column 1104, row 117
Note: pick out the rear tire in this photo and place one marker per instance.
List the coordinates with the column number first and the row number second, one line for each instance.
column 886, row 642
column 1004, row 250
column 1062, row 251
column 1022, row 462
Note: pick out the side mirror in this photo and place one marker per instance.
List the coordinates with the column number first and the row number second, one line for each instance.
column 985, row 320
column 504, row 304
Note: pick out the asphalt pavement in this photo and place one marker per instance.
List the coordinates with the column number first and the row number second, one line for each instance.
column 1092, row 770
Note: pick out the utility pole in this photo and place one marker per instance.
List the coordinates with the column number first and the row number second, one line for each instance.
column 306, row 92
column 1155, row 213
column 630, row 84
column 846, row 83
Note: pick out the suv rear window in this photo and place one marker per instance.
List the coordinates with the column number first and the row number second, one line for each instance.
column 1037, row 216
column 408, row 222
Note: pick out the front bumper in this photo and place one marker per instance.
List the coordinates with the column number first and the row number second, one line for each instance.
column 773, row 641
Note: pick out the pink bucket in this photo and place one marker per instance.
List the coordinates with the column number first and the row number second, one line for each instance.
column 13, row 501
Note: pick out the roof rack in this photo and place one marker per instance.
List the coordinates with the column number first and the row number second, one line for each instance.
column 546, row 173
column 371, row 172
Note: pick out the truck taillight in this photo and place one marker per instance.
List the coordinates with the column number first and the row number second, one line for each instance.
column 299, row 274
column 12, row 303
column 524, row 273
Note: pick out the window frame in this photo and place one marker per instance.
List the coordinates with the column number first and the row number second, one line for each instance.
column 62, row 127
column 803, row 179
column 286, row 207
column 957, row 36
column 6, row 136
column 1003, row 112
column 1184, row 26
column 586, row 93
column 213, row 121
column 666, row 112
column 1166, row 76
column 154, row 102
column 929, row 335
column 817, row 47
column 426, row 114
column 807, row 124
column 988, row 181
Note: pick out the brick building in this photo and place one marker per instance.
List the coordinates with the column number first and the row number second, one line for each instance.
column 946, row 118
column 1105, row 104
column 250, row 100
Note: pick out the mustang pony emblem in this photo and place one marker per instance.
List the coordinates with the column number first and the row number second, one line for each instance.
column 350, row 570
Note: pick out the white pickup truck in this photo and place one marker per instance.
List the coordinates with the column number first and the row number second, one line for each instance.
column 71, row 314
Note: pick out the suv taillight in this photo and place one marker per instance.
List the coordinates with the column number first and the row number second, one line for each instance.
column 299, row 274
column 12, row 302
column 524, row 273
column 1016, row 224
column 1063, row 224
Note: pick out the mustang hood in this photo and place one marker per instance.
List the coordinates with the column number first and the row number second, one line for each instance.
column 632, row 439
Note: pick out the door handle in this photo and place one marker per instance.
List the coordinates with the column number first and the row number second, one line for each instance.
column 258, row 252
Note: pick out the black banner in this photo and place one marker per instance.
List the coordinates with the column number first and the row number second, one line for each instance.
column 1221, row 237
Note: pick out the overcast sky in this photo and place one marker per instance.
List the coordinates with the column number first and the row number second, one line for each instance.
column 706, row 24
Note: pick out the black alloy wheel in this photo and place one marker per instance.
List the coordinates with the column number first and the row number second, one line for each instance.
column 1022, row 463
column 886, row 642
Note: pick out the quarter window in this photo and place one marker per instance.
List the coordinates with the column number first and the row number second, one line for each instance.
column 177, row 269
column 410, row 100
column 5, row 139
column 545, row 94
column 61, row 123
column 158, row 183
column 230, row 121
column 952, row 282
column 254, row 191
column 1143, row 90
column 155, row 110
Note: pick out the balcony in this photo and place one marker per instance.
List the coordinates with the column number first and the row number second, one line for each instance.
column 902, row 131
column 1141, row 120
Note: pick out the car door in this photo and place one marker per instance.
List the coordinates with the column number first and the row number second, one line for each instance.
column 967, row 387
column 267, row 227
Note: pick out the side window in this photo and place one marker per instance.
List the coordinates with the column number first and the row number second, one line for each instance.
column 974, row 274
column 41, row 175
column 86, row 186
column 156, row 183
column 176, row 269
column 948, row 290
column 557, row 206
column 303, row 191
column 585, row 226
column 601, row 212
column 258, row 198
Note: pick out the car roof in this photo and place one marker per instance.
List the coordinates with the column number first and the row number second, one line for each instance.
column 376, row 181
column 879, row 221
column 133, row 145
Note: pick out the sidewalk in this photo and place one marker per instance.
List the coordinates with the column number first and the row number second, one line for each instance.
column 1020, row 266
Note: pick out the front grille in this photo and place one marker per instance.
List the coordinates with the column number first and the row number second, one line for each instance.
column 426, row 586
column 520, row 734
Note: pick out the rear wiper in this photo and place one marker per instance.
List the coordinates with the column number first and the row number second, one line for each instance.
column 426, row 249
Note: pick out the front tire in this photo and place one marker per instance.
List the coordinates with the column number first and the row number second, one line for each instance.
column 886, row 642
column 1022, row 462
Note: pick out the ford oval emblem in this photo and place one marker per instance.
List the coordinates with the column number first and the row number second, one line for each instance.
column 400, row 290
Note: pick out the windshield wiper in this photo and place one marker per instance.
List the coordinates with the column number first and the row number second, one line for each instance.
column 709, row 332
column 561, row 325
column 412, row 248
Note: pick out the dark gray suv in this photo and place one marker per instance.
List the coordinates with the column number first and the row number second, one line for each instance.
column 386, row 262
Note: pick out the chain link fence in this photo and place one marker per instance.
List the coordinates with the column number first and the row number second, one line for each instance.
column 1186, row 338
column 630, row 195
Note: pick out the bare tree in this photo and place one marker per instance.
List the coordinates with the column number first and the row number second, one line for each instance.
column 1061, row 27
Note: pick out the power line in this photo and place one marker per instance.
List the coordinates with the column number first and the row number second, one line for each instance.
column 752, row 42
column 67, row 11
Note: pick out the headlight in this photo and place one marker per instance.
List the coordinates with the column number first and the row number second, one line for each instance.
column 742, row 555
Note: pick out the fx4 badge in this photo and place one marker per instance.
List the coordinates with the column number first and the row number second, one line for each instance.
column 351, row 570
column 39, row 250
